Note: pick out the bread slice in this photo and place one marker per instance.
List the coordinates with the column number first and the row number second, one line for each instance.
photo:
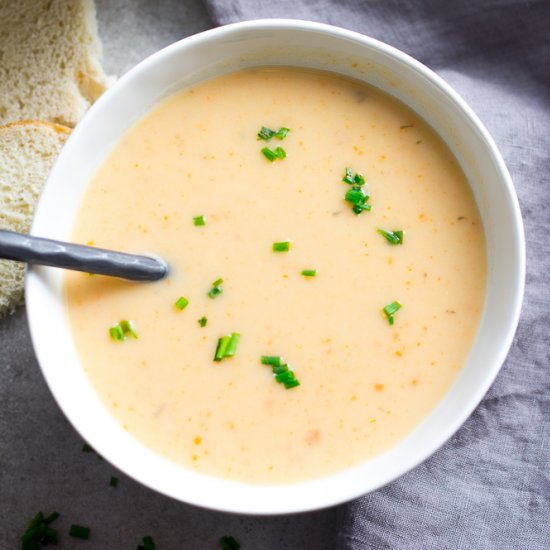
column 49, row 60
column 28, row 150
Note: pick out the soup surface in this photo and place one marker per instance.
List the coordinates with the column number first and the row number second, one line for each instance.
column 364, row 383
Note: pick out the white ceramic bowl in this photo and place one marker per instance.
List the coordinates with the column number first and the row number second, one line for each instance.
column 212, row 53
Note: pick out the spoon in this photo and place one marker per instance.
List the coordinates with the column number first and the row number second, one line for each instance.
column 36, row 250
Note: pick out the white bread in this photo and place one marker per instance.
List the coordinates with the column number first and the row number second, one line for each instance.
column 49, row 60
column 28, row 150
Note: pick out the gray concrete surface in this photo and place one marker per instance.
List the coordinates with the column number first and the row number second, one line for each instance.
column 42, row 466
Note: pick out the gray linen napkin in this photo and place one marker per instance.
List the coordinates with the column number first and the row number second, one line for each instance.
column 489, row 486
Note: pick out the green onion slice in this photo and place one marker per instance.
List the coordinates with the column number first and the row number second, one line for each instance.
column 79, row 532
column 272, row 360
column 227, row 346
column 233, row 343
column 148, row 543
column 358, row 198
column 309, row 272
column 281, row 133
column 291, row 384
column 122, row 329
column 221, row 348
column 273, row 154
column 393, row 237
column 390, row 310
column 353, row 179
column 265, row 133
column 181, row 303
column 202, row 321
column 199, row 220
column 348, row 176
column 229, row 543
column 216, row 289
column 283, row 246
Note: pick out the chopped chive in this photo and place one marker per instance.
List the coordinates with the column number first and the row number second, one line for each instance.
column 274, row 154
column 265, row 133
column 232, row 345
column 356, row 195
column 148, row 543
column 278, row 369
column 309, row 272
column 353, row 179
column 291, row 384
column 128, row 328
column 358, row 198
column 79, row 532
column 38, row 532
column 51, row 518
column 281, row 133
column 202, row 322
column 229, row 543
column 122, row 329
column 348, row 176
column 359, row 179
column 390, row 310
column 113, row 481
column 87, row 448
column 393, row 237
column 216, row 289
column 269, row 154
column 181, row 303
column 281, row 372
column 283, row 246
column 358, row 208
column 285, row 376
column 221, row 348
column 116, row 333
column 199, row 220
column 272, row 360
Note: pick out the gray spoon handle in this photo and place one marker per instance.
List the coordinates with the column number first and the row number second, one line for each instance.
column 35, row 250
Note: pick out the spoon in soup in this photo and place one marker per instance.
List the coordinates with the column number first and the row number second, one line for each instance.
column 36, row 250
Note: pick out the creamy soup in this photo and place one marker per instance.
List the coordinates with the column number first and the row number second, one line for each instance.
column 366, row 377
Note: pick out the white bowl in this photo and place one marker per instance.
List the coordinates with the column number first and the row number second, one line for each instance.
column 212, row 53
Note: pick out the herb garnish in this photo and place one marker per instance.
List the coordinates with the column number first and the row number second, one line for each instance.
column 393, row 237
column 122, row 330
column 202, row 321
column 283, row 246
column 181, row 303
column 309, row 272
column 199, row 220
column 352, row 179
column 216, row 289
column 39, row 532
column 274, row 154
column 148, row 544
column 358, row 198
column 266, row 134
column 227, row 346
column 390, row 310
column 79, row 532
column 281, row 372
column 229, row 543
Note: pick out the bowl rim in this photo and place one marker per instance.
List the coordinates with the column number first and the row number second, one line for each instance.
column 319, row 499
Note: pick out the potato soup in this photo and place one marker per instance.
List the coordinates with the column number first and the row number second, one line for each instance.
column 327, row 275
